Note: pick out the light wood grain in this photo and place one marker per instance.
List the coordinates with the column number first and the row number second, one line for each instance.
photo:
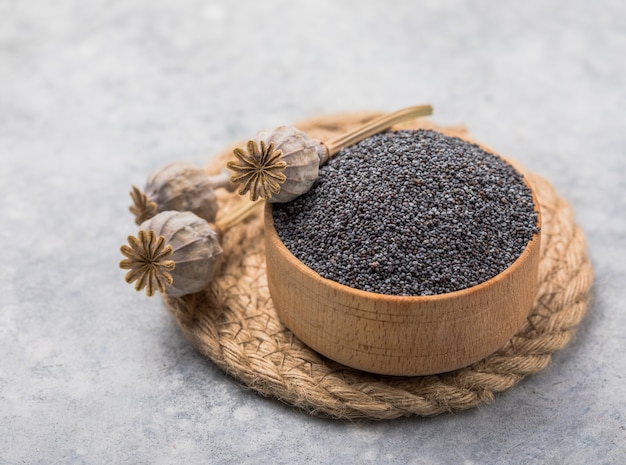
column 397, row 335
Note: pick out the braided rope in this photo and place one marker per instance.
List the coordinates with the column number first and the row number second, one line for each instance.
column 234, row 324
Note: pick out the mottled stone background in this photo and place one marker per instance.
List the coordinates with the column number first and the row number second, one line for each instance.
column 96, row 94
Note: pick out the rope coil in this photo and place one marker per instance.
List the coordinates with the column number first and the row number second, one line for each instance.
column 234, row 324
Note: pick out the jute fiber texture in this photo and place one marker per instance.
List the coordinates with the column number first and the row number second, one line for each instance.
column 233, row 321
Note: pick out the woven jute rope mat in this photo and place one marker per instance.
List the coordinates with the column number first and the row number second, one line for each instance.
column 233, row 321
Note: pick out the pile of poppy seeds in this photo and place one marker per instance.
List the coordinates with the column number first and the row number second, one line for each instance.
column 410, row 213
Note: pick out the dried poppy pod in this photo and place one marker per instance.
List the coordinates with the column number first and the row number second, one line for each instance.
column 179, row 186
column 177, row 252
column 196, row 249
column 281, row 164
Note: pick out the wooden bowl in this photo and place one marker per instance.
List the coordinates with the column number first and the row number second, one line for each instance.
column 399, row 335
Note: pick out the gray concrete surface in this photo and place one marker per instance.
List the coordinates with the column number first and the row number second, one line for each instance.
column 94, row 95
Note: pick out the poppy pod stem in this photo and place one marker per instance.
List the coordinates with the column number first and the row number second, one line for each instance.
column 374, row 127
column 236, row 216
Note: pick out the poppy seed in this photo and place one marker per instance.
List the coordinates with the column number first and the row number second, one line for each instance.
column 410, row 213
